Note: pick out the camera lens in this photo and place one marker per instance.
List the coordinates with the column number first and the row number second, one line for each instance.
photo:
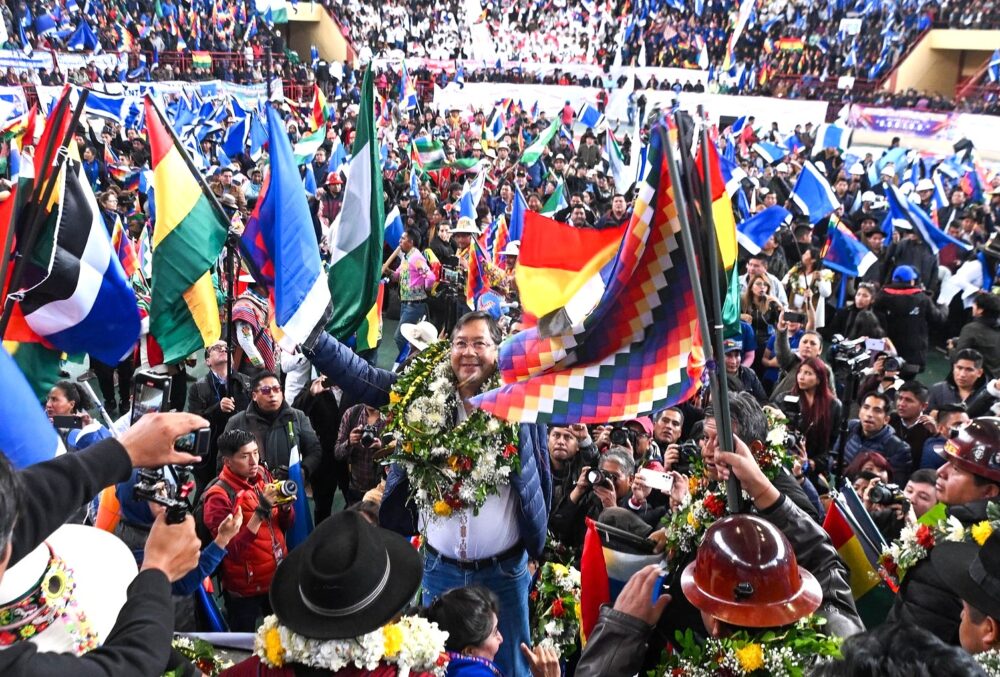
column 595, row 477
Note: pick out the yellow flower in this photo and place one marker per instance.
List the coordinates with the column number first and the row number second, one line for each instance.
column 393, row 637
column 560, row 570
column 453, row 462
column 441, row 509
column 982, row 531
column 692, row 520
column 273, row 651
column 751, row 657
column 408, row 447
column 395, row 398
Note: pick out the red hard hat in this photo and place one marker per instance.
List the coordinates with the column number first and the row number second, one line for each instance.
column 745, row 574
column 333, row 177
column 976, row 448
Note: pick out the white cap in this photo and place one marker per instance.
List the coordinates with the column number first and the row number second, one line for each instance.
column 782, row 167
column 924, row 184
column 513, row 248
column 857, row 169
column 868, row 196
column 889, row 170
column 906, row 188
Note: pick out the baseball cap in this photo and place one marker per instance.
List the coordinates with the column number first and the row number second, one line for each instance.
column 904, row 274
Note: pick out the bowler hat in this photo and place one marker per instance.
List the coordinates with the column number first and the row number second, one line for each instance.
column 347, row 579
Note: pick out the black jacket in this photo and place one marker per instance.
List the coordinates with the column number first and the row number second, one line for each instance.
column 913, row 253
column 274, row 440
column 139, row 643
column 203, row 399
column 924, row 598
column 905, row 313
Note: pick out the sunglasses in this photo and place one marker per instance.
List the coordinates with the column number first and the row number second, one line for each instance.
column 267, row 390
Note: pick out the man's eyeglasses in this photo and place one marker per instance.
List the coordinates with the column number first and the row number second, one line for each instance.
column 478, row 346
column 267, row 390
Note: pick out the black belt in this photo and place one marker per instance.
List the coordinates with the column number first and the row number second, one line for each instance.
column 420, row 301
column 515, row 550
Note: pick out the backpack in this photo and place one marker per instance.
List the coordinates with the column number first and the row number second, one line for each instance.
column 205, row 534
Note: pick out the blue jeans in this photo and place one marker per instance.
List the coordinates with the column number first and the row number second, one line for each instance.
column 510, row 581
column 409, row 313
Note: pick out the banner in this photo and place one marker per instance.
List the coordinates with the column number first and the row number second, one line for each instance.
column 851, row 26
column 888, row 120
column 19, row 61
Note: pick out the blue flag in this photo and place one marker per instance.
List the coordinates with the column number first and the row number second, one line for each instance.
column 393, row 228
column 772, row 153
column 755, row 231
column 908, row 216
column 993, row 70
column 517, row 212
column 844, row 253
column 26, row 436
column 813, row 195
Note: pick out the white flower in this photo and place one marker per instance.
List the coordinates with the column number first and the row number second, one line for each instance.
column 955, row 530
column 776, row 437
column 553, row 628
column 493, row 425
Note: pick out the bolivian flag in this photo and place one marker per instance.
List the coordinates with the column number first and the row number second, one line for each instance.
column 725, row 232
column 370, row 331
column 189, row 236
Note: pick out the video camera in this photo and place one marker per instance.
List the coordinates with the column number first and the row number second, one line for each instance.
column 452, row 281
column 597, row 477
column 622, row 437
column 852, row 355
column 791, row 407
column 152, row 485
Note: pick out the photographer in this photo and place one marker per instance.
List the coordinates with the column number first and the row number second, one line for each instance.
column 66, row 405
column 884, row 378
column 38, row 500
column 359, row 443
column 607, row 486
column 259, row 546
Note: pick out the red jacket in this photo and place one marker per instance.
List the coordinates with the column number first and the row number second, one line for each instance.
column 249, row 564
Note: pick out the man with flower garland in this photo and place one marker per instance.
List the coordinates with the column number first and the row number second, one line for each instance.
column 489, row 546
column 775, row 570
column 967, row 483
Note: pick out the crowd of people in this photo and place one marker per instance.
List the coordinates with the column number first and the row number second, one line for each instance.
column 341, row 599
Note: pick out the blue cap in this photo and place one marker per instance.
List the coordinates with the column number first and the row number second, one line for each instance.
column 904, row 274
column 732, row 345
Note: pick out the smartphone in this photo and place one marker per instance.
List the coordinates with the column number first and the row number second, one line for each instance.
column 792, row 316
column 875, row 345
column 660, row 481
column 196, row 442
column 150, row 393
column 67, row 422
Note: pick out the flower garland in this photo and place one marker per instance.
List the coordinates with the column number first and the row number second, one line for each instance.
column 990, row 661
column 556, row 608
column 686, row 526
column 915, row 543
column 788, row 653
column 201, row 654
column 412, row 644
column 450, row 467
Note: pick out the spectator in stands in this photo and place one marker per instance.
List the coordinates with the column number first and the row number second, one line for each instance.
column 872, row 432
column 909, row 421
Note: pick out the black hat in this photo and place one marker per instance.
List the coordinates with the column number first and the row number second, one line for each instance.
column 347, row 579
column 972, row 573
column 992, row 246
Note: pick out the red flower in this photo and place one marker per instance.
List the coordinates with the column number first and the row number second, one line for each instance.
column 7, row 638
column 509, row 451
column 925, row 537
column 442, row 660
column 715, row 505
column 465, row 463
column 557, row 608
column 533, row 596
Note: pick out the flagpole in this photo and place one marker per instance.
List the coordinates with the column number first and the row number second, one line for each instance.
column 47, row 155
column 31, row 234
column 720, row 389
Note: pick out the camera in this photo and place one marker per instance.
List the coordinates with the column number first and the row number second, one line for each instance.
column 773, row 313
column 287, row 490
column 195, row 442
column 368, row 435
column 688, row 452
column 893, row 363
column 623, row 437
column 152, row 485
column 887, row 494
column 852, row 355
column 598, row 477
column 791, row 407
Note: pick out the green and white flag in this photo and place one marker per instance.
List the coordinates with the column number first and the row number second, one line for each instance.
column 427, row 151
column 534, row 151
column 616, row 163
column 273, row 11
column 357, row 235
column 555, row 202
column 308, row 145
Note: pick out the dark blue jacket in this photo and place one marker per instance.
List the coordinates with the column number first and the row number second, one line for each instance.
column 364, row 383
column 885, row 442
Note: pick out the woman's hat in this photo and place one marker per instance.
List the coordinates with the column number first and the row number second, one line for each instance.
column 465, row 226
column 347, row 579
column 745, row 574
column 78, row 577
column 420, row 335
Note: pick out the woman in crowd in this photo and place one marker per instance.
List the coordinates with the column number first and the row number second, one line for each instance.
column 843, row 319
column 469, row 616
column 66, row 399
column 756, row 308
column 820, row 409
column 808, row 274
